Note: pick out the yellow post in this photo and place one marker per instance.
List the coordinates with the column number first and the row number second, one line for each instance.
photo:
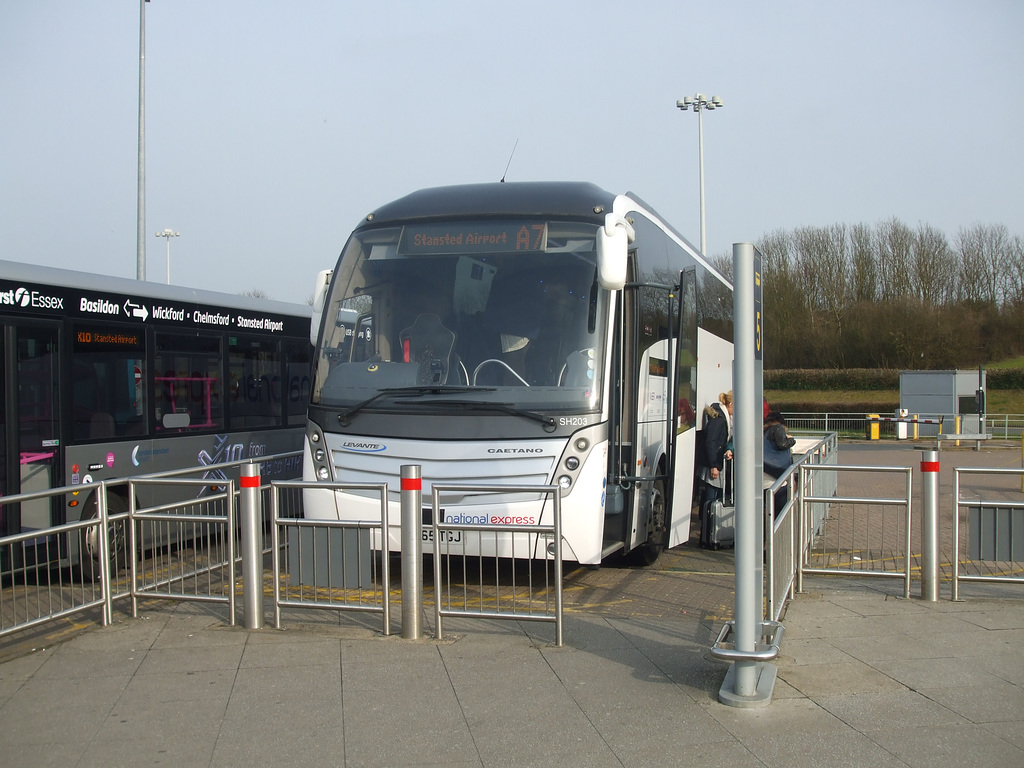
column 956, row 429
column 872, row 426
column 1022, row 461
column 916, row 417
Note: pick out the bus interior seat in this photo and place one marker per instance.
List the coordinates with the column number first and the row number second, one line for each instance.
column 428, row 343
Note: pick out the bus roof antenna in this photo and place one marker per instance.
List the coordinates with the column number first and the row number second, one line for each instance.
column 509, row 161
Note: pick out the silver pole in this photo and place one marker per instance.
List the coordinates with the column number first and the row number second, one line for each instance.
column 412, row 552
column 252, row 546
column 140, row 265
column 748, row 485
column 700, row 148
column 930, row 526
column 749, row 683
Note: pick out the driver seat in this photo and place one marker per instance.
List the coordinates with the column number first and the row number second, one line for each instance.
column 429, row 344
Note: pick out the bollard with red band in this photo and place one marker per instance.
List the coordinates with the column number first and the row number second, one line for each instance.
column 930, row 526
column 412, row 551
column 251, row 512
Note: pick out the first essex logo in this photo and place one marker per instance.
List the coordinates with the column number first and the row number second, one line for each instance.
column 23, row 297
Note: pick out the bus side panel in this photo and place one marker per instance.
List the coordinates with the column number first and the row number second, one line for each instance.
column 93, row 463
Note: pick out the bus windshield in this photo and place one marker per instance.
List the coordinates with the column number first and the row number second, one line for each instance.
column 494, row 311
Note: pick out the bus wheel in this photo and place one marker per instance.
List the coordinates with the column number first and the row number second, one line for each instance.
column 89, row 544
column 657, row 530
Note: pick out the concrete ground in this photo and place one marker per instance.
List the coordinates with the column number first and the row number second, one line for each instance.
column 865, row 678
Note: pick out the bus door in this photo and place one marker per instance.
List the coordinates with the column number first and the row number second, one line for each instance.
column 30, row 424
column 620, row 495
column 643, row 413
column 685, row 446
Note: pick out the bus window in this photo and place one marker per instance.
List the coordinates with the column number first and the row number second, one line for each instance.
column 254, row 373
column 188, row 394
column 295, row 388
column 108, row 393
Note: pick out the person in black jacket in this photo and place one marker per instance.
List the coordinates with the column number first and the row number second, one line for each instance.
column 778, row 454
column 716, row 447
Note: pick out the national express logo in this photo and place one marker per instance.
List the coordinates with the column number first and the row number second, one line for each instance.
column 23, row 297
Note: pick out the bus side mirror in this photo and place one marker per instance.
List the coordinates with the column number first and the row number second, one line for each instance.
column 323, row 282
column 613, row 241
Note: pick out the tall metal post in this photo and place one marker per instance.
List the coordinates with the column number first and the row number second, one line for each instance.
column 251, row 511
column 140, row 265
column 930, row 526
column 412, row 552
column 749, row 683
column 700, row 145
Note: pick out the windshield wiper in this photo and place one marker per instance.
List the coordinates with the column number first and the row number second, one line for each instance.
column 434, row 389
column 477, row 405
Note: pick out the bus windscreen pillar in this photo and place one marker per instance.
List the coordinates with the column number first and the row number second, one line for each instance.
column 750, row 681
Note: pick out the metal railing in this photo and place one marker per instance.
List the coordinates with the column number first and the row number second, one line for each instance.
column 527, row 548
column 855, row 537
column 39, row 593
column 993, row 549
column 329, row 564
column 999, row 426
column 192, row 544
column 781, row 510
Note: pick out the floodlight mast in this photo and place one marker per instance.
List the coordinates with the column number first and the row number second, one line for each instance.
column 699, row 103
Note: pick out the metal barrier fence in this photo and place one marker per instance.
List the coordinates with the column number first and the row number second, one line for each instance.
column 529, row 597
column 854, row 537
column 179, row 552
column 39, row 593
column 329, row 564
column 998, row 426
column 192, row 544
column 993, row 549
column 781, row 510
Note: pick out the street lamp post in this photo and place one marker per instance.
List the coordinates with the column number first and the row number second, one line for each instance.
column 140, row 263
column 168, row 234
column 699, row 103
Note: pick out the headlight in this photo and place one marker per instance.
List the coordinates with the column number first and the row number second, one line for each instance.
column 564, row 482
column 323, row 474
column 319, row 455
column 572, row 463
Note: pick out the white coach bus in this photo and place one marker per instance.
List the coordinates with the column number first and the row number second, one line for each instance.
column 519, row 333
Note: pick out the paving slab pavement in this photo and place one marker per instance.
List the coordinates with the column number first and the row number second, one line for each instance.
column 864, row 678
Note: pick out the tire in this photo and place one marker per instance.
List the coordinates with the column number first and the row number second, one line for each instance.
column 657, row 529
column 88, row 544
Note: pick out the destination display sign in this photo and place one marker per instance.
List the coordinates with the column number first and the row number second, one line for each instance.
column 87, row 304
column 462, row 237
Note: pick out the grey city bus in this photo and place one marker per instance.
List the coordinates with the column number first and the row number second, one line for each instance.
column 104, row 377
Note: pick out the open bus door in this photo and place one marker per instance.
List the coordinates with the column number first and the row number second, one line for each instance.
column 684, row 446
column 29, row 423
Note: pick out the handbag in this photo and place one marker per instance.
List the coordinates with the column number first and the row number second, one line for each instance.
column 776, row 460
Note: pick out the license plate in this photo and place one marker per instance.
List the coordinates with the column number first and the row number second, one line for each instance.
column 452, row 537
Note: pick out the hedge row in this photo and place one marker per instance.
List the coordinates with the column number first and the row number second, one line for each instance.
column 868, row 379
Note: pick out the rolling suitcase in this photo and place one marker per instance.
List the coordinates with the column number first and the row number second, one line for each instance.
column 718, row 518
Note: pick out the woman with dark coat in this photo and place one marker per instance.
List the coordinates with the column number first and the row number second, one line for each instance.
column 717, row 446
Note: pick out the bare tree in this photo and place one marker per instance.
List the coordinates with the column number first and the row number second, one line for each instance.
column 864, row 275
column 895, row 251
column 933, row 267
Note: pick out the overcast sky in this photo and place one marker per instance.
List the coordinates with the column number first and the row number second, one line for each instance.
column 273, row 127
